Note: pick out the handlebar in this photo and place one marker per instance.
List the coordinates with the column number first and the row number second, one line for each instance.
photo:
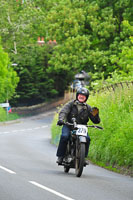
column 99, row 127
column 74, row 125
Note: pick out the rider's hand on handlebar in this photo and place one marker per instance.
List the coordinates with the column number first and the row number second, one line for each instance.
column 94, row 111
column 60, row 122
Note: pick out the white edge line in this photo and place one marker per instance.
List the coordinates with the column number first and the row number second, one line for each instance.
column 50, row 190
column 6, row 132
column 37, row 127
column 14, row 131
column 22, row 130
column 44, row 126
column 7, row 170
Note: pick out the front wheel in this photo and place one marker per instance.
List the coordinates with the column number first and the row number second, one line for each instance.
column 80, row 159
column 66, row 169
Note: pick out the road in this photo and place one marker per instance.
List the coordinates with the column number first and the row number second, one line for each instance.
column 28, row 169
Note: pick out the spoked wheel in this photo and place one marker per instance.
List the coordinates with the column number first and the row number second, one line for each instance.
column 80, row 159
column 66, row 169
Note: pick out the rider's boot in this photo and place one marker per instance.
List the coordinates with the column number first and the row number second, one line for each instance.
column 86, row 162
column 59, row 160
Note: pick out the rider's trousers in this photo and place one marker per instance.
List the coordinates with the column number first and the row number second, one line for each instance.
column 64, row 139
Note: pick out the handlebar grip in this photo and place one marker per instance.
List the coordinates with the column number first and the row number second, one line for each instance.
column 69, row 124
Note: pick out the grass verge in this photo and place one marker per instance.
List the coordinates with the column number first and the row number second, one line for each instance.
column 7, row 117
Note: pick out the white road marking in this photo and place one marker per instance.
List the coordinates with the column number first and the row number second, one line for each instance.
column 37, row 127
column 29, row 129
column 50, row 190
column 14, row 131
column 7, row 170
column 44, row 126
column 22, row 130
column 7, row 132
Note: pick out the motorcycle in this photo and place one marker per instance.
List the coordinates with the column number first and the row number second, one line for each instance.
column 75, row 152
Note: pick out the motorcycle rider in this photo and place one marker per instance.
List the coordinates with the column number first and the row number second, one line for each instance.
column 82, row 112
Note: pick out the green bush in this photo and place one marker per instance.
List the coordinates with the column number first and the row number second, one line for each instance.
column 2, row 115
column 55, row 130
column 5, row 117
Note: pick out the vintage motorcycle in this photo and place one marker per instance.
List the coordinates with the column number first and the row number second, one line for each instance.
column 75, row 152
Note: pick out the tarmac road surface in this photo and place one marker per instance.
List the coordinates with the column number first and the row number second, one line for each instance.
column 28, row 169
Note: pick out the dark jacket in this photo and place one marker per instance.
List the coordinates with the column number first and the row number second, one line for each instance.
column 70, row 110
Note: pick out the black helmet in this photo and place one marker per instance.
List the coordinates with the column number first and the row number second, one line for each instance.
column 83, row 91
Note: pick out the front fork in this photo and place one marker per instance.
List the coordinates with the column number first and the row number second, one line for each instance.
column 80, row 139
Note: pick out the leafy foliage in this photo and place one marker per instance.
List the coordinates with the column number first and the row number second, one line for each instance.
column 93, row 35
column 35, row 86
column 7, row 117
column 8, row 77
column 2, row 114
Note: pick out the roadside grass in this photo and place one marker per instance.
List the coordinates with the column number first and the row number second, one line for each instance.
column 112, row 147
column 55, row 130
column 7, row 117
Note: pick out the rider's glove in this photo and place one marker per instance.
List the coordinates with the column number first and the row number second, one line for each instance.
column 60, row 122
column 95, row 111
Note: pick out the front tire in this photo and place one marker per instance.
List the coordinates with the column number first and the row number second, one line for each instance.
column 80, row 159
column 66, row 169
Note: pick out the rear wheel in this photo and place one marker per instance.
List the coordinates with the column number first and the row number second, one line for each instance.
column 80, row 159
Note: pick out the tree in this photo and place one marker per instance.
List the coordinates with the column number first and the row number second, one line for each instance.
column 20, row 24
column 36, row 85
column 8, row 77
column 101, row 24
column 93, row 35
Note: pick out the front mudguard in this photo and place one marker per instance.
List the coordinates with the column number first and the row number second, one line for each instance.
column 82, row 139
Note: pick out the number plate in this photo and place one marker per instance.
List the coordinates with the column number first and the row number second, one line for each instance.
column 82, row 130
